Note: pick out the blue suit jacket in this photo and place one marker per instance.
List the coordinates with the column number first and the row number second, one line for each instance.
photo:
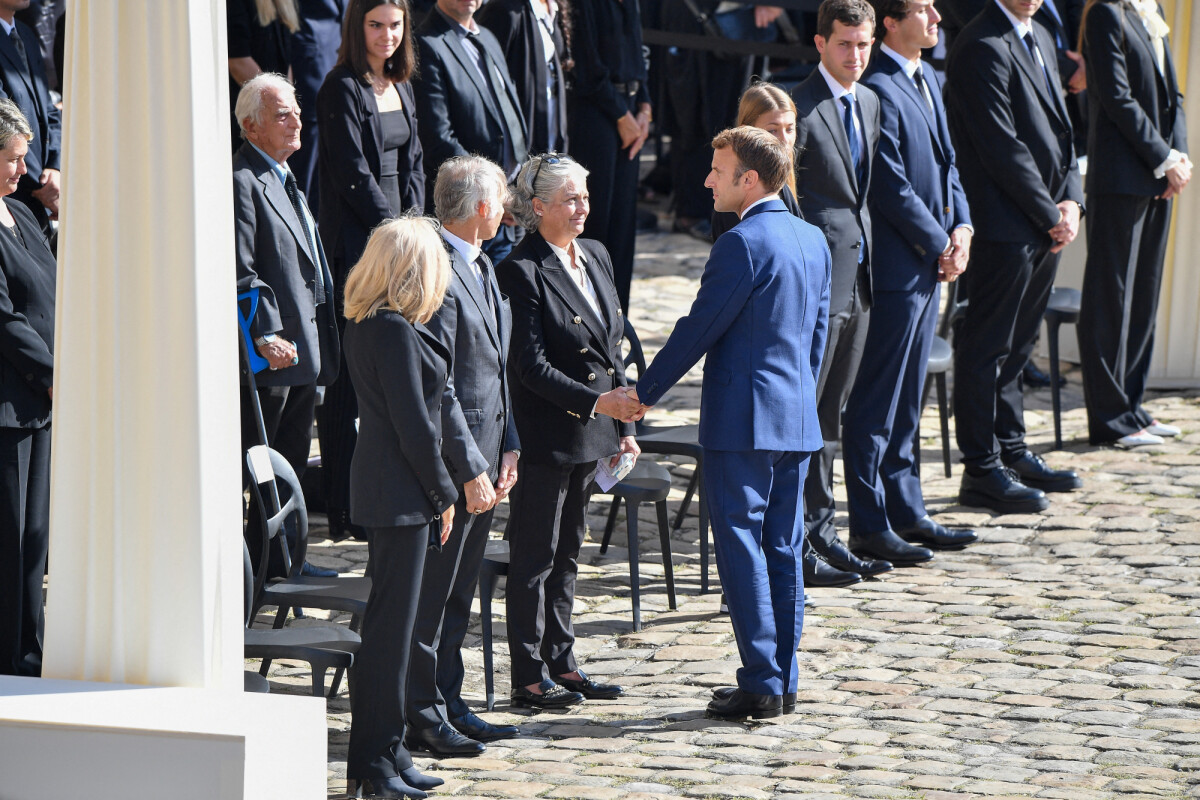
column 761, row 316
column 916, row 198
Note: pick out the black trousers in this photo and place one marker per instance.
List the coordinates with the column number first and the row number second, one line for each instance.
column 379, row 677
column 547, row 510
column 288, row 416
column 335, row 429
column 612, row 184
column 444, row 611
column 839, row 367
column 1127, row 242
column 1007, row 286
column 24, row 539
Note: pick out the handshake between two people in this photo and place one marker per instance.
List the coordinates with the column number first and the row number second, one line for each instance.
column 621, row 403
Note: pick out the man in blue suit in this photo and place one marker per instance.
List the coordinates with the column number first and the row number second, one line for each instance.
column 922, row 236
column 761, row 316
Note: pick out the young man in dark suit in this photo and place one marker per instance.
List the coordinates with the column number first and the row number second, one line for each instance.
column 466, row 100
column 278, row 252
column 1012, row 137
column 837, row 134
column 480, row 448
column 761, row 317
column 922, row 236
column 1138, row 148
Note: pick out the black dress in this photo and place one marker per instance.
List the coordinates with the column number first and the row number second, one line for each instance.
column 396, row 135
column 267, row 44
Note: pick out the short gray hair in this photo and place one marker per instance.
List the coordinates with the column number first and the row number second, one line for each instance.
column 463, row 182
column 250, row 99
column 12, row 123
column 552, row 171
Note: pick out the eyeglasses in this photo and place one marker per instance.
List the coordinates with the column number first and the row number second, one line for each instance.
column 548, row 158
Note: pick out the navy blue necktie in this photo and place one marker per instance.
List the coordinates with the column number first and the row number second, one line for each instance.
column 1034, row 53
column 855, row 150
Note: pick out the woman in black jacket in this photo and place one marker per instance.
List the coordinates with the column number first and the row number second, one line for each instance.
column 370, row 169
column 400, row 488
column 27, row 275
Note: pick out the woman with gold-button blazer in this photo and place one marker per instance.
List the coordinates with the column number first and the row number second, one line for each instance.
column 567, row 381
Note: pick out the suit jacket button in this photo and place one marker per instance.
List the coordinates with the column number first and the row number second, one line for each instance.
column 591, row 376
column 611, row 370
column 583, row 351
column 618, row 312
column 947, row 209
column 577, row 320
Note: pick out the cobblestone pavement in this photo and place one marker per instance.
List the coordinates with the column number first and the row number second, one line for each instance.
column 1058, row 657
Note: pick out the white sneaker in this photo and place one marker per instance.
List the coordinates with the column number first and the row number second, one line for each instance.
column 1162, row 429
column 1140, row 438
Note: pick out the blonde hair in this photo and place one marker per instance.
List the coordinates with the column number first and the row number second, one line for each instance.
column 404, row 268
column 765, row 98
column 284, row 10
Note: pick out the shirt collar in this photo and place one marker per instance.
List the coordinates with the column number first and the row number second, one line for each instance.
column 541, row 13
column 835, row 87
column 467, row 250
column 280, row 170
column 759, row 202
column 8, row 26
column 565, row 257
column 1022, row 27
column 909, row 66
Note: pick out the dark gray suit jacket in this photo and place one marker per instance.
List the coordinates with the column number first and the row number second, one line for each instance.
column 828, row 189
column 479, row 424
column 27, row 279
column 273, row 256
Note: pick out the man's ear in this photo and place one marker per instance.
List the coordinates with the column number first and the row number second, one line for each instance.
column 749, row 178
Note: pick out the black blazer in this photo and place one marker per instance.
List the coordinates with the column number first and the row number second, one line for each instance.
column 723, row 221
column 958, row 13
column 516, row 29
column 1136, row 112
column 27, row 279
column 1011, row 134
column 479, row 424
column 30, row 91
column 562, row 358
column 399, row 370
column 458, row 112
column 349, row 163
column 272, row 255
column 827, row 184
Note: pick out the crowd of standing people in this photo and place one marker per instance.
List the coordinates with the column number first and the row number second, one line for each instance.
column 435, row 216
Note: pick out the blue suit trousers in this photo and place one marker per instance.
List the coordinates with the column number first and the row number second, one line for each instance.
column 756, row 507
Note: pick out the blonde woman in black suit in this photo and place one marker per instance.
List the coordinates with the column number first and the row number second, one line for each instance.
column 568, row 398
column 27, row 274
column 400, row 489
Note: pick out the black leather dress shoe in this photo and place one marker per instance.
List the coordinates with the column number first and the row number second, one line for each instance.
column 789, row 698
column 927, row 532
column 1000, row 490
column 313, row 571
column 387, row 787
column 589, row 688
column 818, row 572
column 738, row 704
column 889, row 546
column 1032, row 377
column 837, row 556
column 475, row 728
column 442, row 740
column 552, row 696
column 1037, row 474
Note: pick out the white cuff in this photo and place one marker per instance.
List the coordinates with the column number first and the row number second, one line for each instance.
column 593, row 414
column 968, row 228
column 1174, row 158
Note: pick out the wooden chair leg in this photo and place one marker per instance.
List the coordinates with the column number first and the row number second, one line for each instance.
column 487, row 585
column 664, row 543
column 687, row 498
column 1055, row 399
column 944, row 415
column 631, row 515
column 612, row 523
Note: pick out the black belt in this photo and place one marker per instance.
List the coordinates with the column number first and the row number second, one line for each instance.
column 628, row 89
